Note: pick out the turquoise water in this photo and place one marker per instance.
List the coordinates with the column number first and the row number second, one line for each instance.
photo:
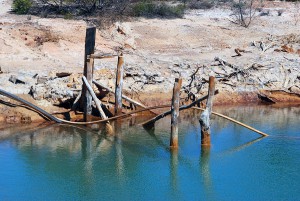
column 60, row 162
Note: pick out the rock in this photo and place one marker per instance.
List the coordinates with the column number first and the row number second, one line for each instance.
column 122, row 29
column 295, row 89
column 16, row 80
column 130, row 43
column 42, row 80
column 63, row 74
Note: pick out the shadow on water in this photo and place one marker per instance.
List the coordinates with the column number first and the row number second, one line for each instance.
column 137, row 164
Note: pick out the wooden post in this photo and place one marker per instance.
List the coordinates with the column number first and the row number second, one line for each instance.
column 175, row 113
column 119, row 85
column 205, row 116
column 88, row 71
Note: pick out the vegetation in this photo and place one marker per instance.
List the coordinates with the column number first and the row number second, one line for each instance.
column 21, row 6
column 150, row 9
column 243, row 12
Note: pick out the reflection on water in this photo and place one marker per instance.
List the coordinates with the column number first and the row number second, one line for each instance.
column 60, row 162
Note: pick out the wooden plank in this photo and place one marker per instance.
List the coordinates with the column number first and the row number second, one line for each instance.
column 98, row 84
column 235, row 121
column 102, row 56
column 175, row 113
column 119, row 85
column 88, row 71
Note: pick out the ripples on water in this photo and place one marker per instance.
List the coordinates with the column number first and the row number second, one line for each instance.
column 60, row 162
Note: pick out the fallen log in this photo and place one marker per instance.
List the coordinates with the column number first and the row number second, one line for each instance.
column 235, row 121
column 150, row 123
column 98, row 104
column 30, row 105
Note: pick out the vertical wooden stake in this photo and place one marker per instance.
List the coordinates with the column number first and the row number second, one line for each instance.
column 205, row 116
column 175, row 113
column 119, row 85
column 88, row 71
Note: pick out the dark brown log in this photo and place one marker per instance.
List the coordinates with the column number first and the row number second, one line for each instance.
column 119, row 85
column 30, row 105
column 88, row 71
column 175, row 113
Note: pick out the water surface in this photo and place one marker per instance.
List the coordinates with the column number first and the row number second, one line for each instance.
column 60, row 162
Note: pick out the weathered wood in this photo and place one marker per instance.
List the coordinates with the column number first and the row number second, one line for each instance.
column 98, row 103
column 102, row 56
column 211, row 92
column 119, row 85
column 98, row 84
column 96, row 100
column 88, row 70
column 76, row 102
column 235, row 121
column 150, row 123
column 205, row 116
column 175, row 113
column 37, row 109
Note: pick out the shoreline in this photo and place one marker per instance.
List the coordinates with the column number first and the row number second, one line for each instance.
column 16, row 114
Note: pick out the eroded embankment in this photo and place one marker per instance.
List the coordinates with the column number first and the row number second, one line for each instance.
column 13, row 112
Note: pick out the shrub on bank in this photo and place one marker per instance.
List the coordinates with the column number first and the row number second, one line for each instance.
column 21, row 6
column 150, row 9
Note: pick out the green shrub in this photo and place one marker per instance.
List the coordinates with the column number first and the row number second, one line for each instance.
column 21, row 6
column 196, row 4
column 68, row 16
column 150, row 9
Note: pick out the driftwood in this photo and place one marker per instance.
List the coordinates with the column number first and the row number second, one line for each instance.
column 37, row 109
column 98, row 84
column 98, row 105
column 96, row 100
column 235, row 121
column 150, row 123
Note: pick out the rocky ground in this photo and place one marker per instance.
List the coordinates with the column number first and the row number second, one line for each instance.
column 44, row 57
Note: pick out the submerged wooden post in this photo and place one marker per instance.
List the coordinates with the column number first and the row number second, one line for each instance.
column 119, row 85
column 205, row 116
column 175, row 113
column 88, row 71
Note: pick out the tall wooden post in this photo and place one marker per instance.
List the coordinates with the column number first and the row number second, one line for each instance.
column 175, row 113
column 119, row 85
column 88, row 71
column 205, row 116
